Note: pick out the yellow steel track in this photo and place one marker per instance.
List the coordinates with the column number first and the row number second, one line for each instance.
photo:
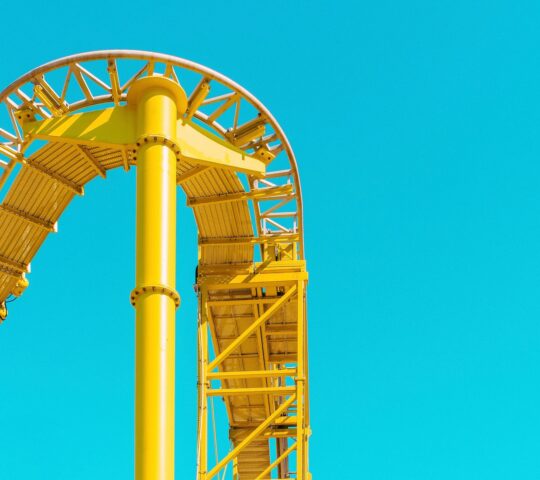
column 251, row 273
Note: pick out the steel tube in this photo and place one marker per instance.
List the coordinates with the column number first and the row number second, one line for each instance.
column 157, row 107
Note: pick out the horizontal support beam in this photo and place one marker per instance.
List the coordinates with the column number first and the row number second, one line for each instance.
column 279, row 215
column 254, row 280
column 38, row 222
column 283, row 358
column 270, row 239
column 243, row 356
column 277, row 341
column 222, row 318
column 242, row 302
column 291, row 329
column 247, row 374
column 9, row 272
column 115, row 127
column 16, row 268
column 283, row 200
column 200, row 146
column 248, row 407
column 282, row 433
column 268, row 266
column 228, row 392
column 275, row 432
column 288, row 421
column 257, row 194
column 93, row 161
column 72, row 186
column 191, row 173
column 110, row 127
column 278, row 173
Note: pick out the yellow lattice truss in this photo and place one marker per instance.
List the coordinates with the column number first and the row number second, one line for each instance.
column 72, row 120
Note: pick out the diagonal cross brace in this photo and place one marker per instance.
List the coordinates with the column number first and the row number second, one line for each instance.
column 252, row 436
column 276, row 462
column 248, row 331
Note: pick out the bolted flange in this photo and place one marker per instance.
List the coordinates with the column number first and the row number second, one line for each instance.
column 156, row 139
column 137, row 292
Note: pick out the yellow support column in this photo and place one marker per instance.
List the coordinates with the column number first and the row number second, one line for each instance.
column 202, row 461
column 300, row 387
column 157, row 102
column 235, row 469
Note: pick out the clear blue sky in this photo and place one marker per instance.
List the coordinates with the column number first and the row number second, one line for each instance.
column 416, row 129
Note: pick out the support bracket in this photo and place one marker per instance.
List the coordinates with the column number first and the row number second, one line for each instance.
column 115, row 127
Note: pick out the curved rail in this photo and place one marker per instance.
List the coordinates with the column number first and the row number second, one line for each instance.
column 251, row 273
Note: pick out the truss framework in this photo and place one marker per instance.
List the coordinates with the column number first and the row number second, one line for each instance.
column 252, row 315
column 75, row 83
column 275, row 378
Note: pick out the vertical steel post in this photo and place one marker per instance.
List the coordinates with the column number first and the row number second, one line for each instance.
column 235, row 469
column 203, row 387
column 157, row 102
column 300, row 387
column 202, row 460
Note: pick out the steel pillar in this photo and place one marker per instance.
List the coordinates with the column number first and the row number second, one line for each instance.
column 157, row 102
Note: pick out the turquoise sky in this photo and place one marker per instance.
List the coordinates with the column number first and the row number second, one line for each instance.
column 415, row 125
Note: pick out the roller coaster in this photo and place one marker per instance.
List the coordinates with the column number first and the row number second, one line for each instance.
column 181, row 124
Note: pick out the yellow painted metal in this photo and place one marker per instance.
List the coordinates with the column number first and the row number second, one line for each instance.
column 3, row 311
column 258, row 280
column 248, row 331
column 252, row 324
column 250, row 437
column 235, row 469
column 264, row 239
column 251, row 374
column 277, row 461
column 203, row 384
column 48, row 226
column 109, row 127
column 280, row 387
column 270, row 193
column 204, row 148
column 222, row 392
column 20, row 286
column 301, row 455
column 117, row 127
column 157, row 103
